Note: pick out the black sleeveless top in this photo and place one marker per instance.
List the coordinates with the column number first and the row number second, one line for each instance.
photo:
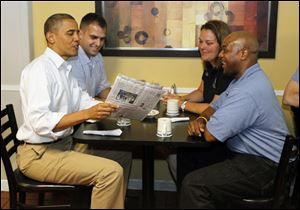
column 215, row 82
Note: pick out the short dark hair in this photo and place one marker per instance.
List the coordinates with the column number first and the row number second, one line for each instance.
column 52, row 21
column 93, row 18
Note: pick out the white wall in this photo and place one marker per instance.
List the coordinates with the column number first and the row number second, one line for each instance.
column 16, row 53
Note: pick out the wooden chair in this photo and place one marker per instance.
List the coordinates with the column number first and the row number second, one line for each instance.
column 19, row 184
column 285, row 177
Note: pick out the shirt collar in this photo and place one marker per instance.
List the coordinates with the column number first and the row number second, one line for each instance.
column 252, row 69
column 56, row 59
column 83, row 56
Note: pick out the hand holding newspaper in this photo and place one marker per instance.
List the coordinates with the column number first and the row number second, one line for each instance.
column 135, row 98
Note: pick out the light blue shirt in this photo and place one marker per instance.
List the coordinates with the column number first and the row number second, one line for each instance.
column 89, row 72
column 295, row 76
column 249, row 117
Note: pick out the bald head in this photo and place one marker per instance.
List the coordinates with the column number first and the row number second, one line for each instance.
column 244, row 40
column 239, row 52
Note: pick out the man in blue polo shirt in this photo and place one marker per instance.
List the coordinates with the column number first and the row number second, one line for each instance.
column 248, row 118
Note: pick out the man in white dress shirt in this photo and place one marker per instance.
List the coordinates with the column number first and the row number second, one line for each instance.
column 88, row 66
column 52, row 103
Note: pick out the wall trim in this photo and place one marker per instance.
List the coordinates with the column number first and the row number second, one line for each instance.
column 179, row 90
column 4, row 185
column 10, row 87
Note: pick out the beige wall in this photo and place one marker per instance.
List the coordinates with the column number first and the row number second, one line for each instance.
column 185, row 72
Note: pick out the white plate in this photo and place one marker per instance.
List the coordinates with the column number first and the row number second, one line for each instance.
column 172, row 114
column 164, row 136
column 153, row 113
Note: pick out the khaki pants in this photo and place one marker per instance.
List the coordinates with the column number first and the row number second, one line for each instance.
column 58, row 164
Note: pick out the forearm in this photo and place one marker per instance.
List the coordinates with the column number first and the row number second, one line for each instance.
column 291, row 94
column 195, row 96
column 196, row 107
column 104, row 93
column 71, row 119
column 207, row 114
column 291, row 99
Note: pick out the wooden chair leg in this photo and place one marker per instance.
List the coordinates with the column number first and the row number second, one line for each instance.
column 41, row 199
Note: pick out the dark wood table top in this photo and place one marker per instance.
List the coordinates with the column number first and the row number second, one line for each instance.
column 141, row 132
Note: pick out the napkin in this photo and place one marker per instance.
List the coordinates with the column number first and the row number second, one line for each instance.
column 178, row 119
column 115, row 132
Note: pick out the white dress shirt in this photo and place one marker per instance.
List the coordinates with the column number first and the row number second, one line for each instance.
column 47, row 94
column 89, row 72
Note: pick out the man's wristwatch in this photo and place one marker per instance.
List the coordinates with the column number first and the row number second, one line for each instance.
column 183, row 105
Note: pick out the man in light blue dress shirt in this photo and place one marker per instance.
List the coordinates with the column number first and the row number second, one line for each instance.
column 89, row 71
column 88, row 66
column 248, row 118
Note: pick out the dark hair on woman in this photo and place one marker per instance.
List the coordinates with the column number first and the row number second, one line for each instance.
column 53, row 21
column 92, row 18
column 220, row 29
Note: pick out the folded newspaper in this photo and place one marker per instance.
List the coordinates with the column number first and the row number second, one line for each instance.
column 135, row 98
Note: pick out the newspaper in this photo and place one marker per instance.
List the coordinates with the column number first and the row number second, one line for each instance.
column 135, row 98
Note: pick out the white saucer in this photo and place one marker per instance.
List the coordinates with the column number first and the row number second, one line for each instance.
column 123, row 124
column 159, row 135
column 152, row 113
column 172, row 114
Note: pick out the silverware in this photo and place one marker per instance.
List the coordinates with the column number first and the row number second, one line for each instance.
column 173, row 89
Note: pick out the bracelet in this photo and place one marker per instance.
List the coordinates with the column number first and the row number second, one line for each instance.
column 204, row 118
column 183, row 106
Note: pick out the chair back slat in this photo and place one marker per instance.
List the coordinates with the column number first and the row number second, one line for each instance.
column 18, row 183
column 7, row 149
column 8, row 139
column 282, row 170
column 286, row 171
column 5, row 126
column 12, row 150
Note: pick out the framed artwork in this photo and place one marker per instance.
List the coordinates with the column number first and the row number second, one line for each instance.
column 171, row 28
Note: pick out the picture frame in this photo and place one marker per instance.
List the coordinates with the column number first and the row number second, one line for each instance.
column 145, row 28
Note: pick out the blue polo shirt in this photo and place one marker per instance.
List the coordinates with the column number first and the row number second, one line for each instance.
column 295, row 76
column 249, row 116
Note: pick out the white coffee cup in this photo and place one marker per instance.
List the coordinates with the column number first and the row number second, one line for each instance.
column 172, row 107
column 164, row 128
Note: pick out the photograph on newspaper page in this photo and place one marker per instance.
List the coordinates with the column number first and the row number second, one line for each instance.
column 135, row 98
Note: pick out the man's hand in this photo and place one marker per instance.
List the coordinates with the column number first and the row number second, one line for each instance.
column 101, row 111
column 168, row 96
column 196, row 127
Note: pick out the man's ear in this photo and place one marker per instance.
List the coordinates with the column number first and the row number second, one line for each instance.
column 50, row 36
column 244, row 54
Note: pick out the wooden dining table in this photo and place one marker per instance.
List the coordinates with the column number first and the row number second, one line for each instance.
column 143, row 134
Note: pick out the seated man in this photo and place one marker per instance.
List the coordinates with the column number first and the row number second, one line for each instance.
column 88, row 69
column 88, row 66
column 52, row 103
column 248, row 117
